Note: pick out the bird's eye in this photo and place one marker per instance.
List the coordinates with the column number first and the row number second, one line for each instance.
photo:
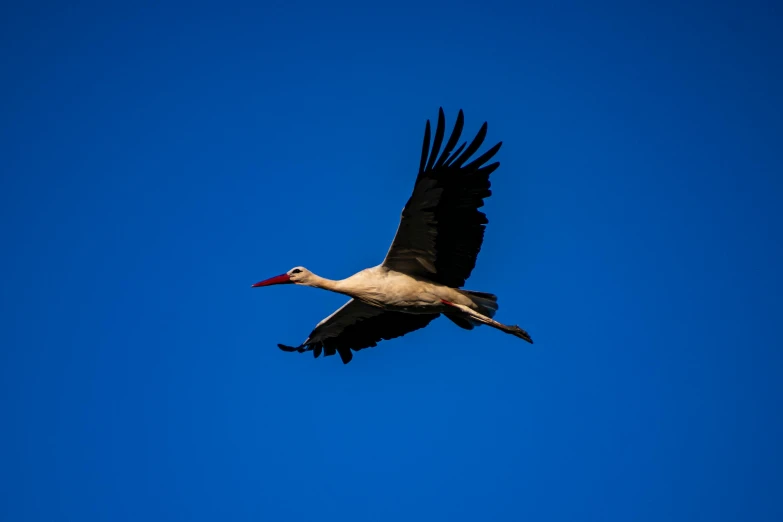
column 295, row 271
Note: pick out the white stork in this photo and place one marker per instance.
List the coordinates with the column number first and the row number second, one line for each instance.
column 433, row 253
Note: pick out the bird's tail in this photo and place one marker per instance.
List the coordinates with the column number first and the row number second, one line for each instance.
column 487, row 303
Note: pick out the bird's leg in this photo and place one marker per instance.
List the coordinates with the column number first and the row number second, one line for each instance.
column 513, row 330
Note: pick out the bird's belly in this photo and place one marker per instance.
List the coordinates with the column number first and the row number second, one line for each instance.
column 413, row 309
column 408, row 295
column 409, row 304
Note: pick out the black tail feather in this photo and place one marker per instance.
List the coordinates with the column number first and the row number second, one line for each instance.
column 461, row 321
column 487, row 303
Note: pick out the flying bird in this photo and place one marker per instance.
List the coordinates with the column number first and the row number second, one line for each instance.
column 434, row 251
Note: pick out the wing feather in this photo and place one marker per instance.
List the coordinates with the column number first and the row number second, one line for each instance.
column 455, row 155
column 425, row 147
column 441, row 229
column 473, row 147
column 355, row 326
column 439, row 132
column 453, row 139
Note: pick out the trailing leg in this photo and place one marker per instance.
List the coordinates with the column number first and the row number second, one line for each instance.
column 513, row 330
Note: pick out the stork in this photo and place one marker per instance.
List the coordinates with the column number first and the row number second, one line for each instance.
column 433, row 252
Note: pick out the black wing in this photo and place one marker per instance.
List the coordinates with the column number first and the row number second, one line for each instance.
column 357, row 325
column 441, row 228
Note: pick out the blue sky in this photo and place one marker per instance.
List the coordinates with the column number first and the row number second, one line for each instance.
column 156, row 161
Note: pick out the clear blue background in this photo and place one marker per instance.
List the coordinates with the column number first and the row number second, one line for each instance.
column 156, row 161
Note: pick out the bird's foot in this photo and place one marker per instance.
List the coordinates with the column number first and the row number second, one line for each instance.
column 519, row 332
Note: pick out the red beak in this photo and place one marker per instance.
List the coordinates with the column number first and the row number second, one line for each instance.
column 277, row 280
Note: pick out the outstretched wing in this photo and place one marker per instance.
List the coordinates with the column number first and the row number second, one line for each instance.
column 441, row 228
column 357, row 325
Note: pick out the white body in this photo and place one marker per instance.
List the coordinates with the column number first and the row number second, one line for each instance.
column 391, row 290
column 394, row 291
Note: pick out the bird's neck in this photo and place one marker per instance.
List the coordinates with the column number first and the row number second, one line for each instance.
column 341, row 287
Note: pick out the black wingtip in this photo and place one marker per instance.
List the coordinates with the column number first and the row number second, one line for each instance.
column 478, row 162
column 425, row 147
column 345, row 354
column 456, row 132
column 287, row 348
column 440, row 130
column 472, row 148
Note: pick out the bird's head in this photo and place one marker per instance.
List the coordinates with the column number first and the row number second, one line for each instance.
column 298, row 275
